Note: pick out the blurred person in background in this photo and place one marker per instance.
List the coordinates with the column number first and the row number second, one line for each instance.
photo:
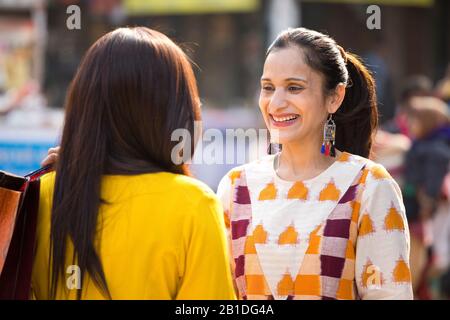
column 443, row 87
column 426, row 167
column 414, row 86
column 389, row 149
column 440, row 270
column 445, row 285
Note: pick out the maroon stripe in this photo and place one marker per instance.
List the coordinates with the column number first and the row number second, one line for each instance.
column 337, row 228
column 242, row 195
column 331, row 266
column 239, row 228
column 349, row 195
column 240, row 266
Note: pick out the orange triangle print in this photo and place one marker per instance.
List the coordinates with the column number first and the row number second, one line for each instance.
column 298, row 191
column 269, row 192
column 330, row 192
column 249, row 246
column 344, row 157
column 363, row 178
column 401, row 272
column 286, row 285
column 393, row 220
column 379, row 172
column 226, row 217
column 314, row 241
column 288, row 236
column 366, row 226
column 234, row 175
column 356, row 207
column 259, row 234
column 350, row 251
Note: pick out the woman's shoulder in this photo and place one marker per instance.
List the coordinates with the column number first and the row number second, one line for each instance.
column 372, row 169
column 164, row 184
column 377, row 180
column 345, row 160
column 184, row 196
column 192, row 186
column 171, row 184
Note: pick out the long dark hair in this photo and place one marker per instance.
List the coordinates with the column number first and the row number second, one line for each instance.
column 357, row 118
column 133, row 88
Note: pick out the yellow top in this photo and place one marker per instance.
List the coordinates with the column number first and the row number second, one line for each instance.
column 162, row 236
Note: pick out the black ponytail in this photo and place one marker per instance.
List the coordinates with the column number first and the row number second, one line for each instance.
column 357, row 118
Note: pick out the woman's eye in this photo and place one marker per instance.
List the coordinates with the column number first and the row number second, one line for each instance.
column 295, row 88
column 267, row 88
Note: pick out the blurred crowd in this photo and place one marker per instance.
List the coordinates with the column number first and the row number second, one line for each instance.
column 415, row 148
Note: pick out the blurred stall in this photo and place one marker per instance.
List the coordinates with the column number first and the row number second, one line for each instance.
column 27, row 126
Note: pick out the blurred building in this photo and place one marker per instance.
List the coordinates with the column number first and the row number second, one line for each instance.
column 227, row 39
column 224, row 38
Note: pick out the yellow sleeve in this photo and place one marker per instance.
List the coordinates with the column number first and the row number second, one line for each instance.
column 206, row 273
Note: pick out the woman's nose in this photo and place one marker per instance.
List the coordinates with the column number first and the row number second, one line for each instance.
column 277, row 101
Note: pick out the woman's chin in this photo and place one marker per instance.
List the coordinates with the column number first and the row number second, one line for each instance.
column 284, row 140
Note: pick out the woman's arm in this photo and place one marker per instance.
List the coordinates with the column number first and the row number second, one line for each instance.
column 382, row 248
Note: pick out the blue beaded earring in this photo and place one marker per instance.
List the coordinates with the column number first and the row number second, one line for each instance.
column 329, row 135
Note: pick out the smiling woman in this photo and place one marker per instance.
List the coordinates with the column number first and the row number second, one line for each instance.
column 309, row 224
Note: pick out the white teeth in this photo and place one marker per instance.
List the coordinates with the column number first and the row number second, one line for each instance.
column 280, row 119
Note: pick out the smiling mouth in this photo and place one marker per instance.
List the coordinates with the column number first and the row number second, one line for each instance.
column 284, row 120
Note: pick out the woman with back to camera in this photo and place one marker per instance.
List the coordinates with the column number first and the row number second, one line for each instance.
column 136, row 224
column 317, row 220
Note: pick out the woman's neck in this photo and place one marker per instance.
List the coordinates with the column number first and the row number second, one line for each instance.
column 302, row 161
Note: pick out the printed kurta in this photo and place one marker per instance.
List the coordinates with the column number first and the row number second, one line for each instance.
column 340, row 235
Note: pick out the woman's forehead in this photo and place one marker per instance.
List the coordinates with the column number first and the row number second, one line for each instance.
column 286, row 63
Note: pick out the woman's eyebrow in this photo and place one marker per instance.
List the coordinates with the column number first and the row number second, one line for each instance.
column 296, row 79
column 288, row 79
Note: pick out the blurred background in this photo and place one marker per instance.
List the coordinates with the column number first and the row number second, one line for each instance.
column 409, row 57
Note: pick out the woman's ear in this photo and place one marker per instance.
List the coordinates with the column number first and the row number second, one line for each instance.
column 336, row 98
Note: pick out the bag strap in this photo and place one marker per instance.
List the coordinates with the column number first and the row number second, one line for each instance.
column 11, row 181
